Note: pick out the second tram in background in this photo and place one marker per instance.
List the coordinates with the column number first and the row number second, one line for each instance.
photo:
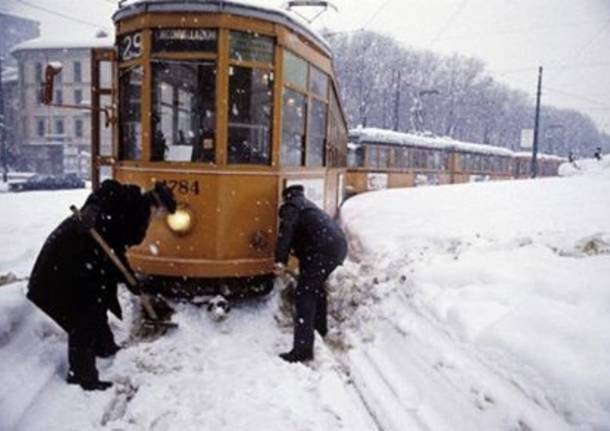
column 228, row 104
column 379, row 159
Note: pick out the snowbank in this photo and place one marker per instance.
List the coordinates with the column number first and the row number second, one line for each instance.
column 516, row 271
column 588, row 167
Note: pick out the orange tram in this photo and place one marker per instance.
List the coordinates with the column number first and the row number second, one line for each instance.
column 379, row 159
column 228, row 104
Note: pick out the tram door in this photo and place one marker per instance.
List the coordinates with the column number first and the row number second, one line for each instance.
column 103, row 115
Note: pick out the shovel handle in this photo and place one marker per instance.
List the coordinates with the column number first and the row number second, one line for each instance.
column 144, row 298
column 109, row 252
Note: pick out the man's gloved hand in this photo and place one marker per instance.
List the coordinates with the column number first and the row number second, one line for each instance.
column 279, row 269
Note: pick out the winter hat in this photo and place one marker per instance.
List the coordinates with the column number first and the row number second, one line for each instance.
column 292, row 191
column 162, row 196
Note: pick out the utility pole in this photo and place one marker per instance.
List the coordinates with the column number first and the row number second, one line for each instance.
column 397, row 102
column 3, row 129
column 536, row 123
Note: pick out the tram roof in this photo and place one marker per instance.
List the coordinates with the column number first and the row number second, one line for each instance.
column 390, row 137
column 232, row 7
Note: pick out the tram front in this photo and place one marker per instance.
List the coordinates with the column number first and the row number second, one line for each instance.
column 226, row 104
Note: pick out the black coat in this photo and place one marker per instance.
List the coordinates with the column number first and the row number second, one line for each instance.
column 316, row 239
column 72, row 273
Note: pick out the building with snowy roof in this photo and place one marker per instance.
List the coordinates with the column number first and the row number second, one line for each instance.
column 42, row 130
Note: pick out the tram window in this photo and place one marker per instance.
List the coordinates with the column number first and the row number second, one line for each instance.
column 183, row 111
column 316, row 134
column 373, row 157
column 419, row 158
column 355, row 156
column 398, row 157
column 384, row 157
column 250, row 115
column 295, row 70
column 407, row 155
column 318, row 82
column 293, row 128
column 130, row 126
column 251, row 47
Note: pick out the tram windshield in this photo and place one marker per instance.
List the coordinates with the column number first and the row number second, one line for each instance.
column 183, row 116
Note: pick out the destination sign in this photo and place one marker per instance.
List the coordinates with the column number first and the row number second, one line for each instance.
column 184, row 39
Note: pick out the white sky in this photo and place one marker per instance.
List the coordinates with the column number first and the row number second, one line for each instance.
column 569, row 38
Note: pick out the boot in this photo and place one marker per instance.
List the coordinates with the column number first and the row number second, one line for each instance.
column 106, row 351
column 91, row 385
column 294, row 356
column 82, row 368
column 105, row 346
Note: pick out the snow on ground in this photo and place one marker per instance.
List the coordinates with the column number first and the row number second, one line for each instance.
column 469, row 307
column 514, row 276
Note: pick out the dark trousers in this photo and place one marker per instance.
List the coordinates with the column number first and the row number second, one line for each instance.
column 311, row 306
column 89, row 334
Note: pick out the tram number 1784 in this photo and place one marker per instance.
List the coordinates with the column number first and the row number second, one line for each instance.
column 183, row 187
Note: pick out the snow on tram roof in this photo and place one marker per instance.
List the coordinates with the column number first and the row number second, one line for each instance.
column 390, row 137
column 251, row 9
column 526, row 154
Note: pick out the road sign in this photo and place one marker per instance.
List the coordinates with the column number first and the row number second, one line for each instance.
column 527, row 138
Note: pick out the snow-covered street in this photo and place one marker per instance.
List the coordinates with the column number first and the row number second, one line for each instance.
column 481, row 306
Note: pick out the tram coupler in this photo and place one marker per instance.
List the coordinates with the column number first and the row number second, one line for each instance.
column 218, row 306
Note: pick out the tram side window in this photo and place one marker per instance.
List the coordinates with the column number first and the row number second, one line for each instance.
column 183, row 116
column 419, row 158
column 318, row 82
column 317, row 133
column 398, row 157
column 384, row 156
column 295, row 70
column 293, row 128
column 250, row 115
column 372, row 159
column 130, row 126
column 355, row 156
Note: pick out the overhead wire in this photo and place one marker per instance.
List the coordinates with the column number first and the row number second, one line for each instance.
column 547, row 89
column 449, row 22
column 583, row 48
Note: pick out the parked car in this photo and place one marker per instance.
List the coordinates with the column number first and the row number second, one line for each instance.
column 49, row 182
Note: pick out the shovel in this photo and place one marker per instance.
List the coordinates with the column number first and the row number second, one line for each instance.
column 151, row 319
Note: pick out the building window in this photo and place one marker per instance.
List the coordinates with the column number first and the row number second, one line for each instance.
column 40, row 128
column 59, row 78
column 78, row 96
column 38, row 72
column 59, row 97
column 59, row 126
column 78, row 128
column 78, row 72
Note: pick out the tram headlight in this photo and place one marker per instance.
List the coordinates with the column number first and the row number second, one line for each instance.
column 181, row 221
